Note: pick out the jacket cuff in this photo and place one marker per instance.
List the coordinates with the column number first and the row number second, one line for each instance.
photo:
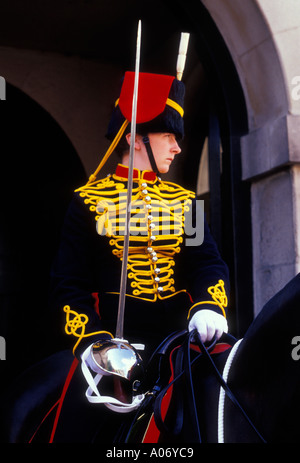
column 80, row 346
column 218, row 302
column 75, row 325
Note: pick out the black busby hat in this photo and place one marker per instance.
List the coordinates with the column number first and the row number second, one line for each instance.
column 159, row 105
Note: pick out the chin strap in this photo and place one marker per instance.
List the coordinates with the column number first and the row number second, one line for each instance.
column 150, row 155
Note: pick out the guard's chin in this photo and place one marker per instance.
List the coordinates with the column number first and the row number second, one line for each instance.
column 164, row 169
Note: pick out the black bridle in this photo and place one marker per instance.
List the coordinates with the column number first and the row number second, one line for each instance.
column 183, row 369
column 158, row 368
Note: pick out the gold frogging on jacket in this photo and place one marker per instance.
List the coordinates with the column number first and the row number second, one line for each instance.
column 156, row 228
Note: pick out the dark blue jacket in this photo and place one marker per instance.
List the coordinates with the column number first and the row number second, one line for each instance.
column 86, row 274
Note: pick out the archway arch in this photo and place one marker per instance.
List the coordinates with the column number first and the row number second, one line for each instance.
column 233, row 42
column 248, row 35
column 39, row 170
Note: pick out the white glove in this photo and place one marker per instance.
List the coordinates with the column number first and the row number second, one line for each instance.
column 208, row 323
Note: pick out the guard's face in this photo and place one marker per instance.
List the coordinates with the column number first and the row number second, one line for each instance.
column 165, row 148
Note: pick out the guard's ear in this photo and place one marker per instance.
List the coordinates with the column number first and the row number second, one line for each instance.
column 138, row 140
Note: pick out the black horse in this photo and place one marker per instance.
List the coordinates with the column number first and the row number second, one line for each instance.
column 260, row 401
column 265, row 373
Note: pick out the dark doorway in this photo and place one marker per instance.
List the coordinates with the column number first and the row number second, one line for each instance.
column 219, row 117
column 39, row 170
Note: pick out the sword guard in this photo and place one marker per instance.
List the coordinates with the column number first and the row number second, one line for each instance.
column 117, row 357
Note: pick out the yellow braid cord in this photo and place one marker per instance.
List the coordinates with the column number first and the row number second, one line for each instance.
column 106, row 199
column 78, row 322
column 175, row 106
column 113, row 145
column 218, row 295
column 155, row 296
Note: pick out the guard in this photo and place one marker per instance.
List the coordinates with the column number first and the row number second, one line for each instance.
column 169, row 286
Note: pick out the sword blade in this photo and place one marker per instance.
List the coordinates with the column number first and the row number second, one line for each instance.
column 123, row 284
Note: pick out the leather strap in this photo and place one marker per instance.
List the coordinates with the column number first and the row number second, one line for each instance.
column 150, row 154
column 186, row 371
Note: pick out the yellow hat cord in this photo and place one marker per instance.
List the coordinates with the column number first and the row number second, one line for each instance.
column 175, row 106
column 113, row 145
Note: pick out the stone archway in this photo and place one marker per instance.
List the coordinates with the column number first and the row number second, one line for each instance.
column 39, row 170
column 262, row 37
column 248, row 34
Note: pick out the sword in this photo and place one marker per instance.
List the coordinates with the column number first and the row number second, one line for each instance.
column 117, row 357
column 121, row 307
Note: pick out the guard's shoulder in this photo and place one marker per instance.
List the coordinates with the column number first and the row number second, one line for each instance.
column 98, row 184
column 174, row 188
column 103, row 187
column 106, row 189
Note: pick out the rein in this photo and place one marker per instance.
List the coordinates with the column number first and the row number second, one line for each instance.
column 183, row 370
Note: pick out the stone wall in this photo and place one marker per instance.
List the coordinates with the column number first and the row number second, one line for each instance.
column 78, row 93
column 263, row 37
